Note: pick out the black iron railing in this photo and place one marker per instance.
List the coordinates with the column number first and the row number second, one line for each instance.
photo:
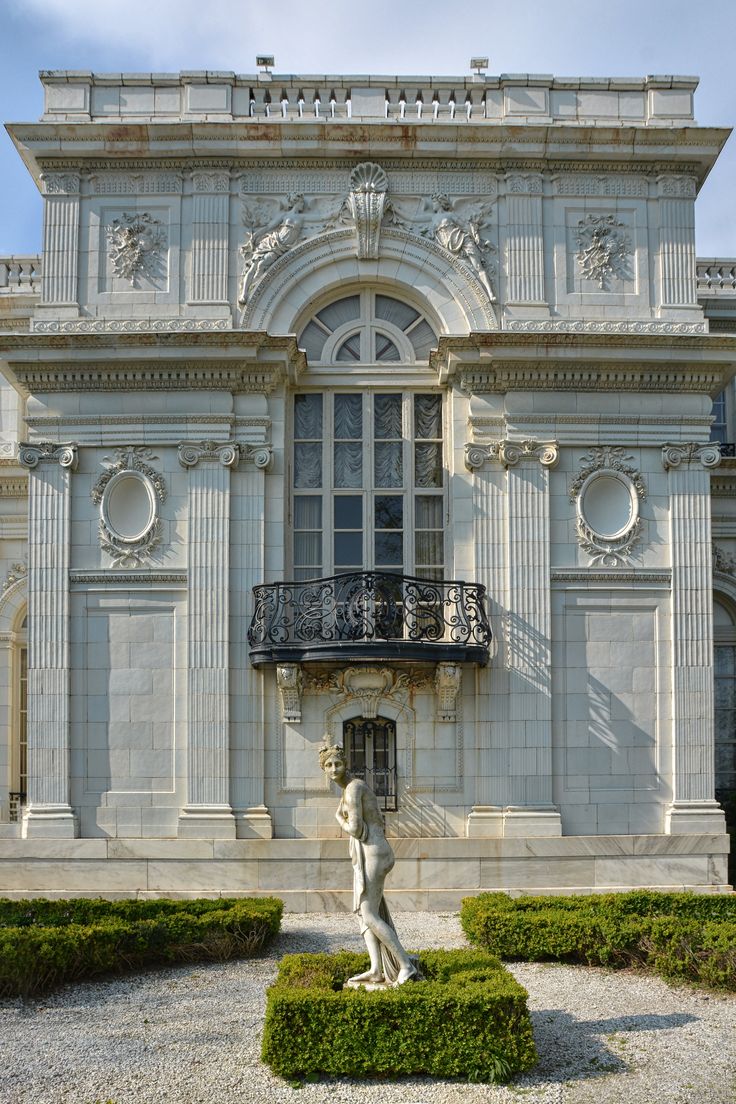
column 369, row 614
column 728, row 450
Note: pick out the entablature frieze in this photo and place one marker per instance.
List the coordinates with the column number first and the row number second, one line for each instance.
column 556, row 377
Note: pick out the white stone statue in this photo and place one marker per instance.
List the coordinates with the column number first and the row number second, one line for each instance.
column 460, row 237
column 372, row 857
column 262, row 250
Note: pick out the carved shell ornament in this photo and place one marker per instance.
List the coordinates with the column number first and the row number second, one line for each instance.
column 368, row 177
column 135, row 246
column 604, row 249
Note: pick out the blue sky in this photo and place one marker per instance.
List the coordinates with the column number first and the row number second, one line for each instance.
column 563, row 37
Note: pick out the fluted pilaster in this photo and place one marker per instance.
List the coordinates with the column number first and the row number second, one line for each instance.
column 524, row 240
column 210, row 219
column 49, row 811
column 677, row 252
column 60, row 239
column 693, row 805
column 208, row 812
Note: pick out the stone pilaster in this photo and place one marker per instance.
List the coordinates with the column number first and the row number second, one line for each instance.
column 48, row 811
column 677, row 241
column 525, row 243
column 693, row 807
column 60, row 240
column 210, row 220
column 529, row 809
column 208, row 813
column 252, row 817
column 486, row 815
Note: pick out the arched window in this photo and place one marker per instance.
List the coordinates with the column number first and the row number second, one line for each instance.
column 368, row 485
column 368, row 327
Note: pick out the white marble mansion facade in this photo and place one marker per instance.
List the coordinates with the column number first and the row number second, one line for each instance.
column 382, row 408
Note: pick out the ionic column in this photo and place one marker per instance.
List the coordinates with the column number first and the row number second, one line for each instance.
column 529, row 807
column 251, row 813
column 207, row 813
column 48, row 812
column 525, row 242
column 486, row 816
column 677, row 241
column 210, row 220
column 693, row 807
column 60, row 240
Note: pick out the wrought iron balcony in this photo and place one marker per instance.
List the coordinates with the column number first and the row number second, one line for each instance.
column 373, row 615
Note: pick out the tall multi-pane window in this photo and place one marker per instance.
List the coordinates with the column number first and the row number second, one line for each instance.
column 368, row 483
column 725, row 719
column 719, row 426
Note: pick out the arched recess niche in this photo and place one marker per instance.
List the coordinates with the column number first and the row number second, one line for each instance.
column 420, row 270
column 13, row 637
column 724, row 663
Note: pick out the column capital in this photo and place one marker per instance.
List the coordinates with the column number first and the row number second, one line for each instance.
column 65, row 455
column 208, row 452
column 691, row 452
column 511, row 453
column 259, row 455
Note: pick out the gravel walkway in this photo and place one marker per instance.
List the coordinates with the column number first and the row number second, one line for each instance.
column 191, row 1035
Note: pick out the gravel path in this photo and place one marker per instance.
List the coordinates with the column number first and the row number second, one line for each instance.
column 191, row 1035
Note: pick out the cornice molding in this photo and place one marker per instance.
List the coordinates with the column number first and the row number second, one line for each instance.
column 625, row 575
column 557, row 377
column 150, row 376
column 127, row 578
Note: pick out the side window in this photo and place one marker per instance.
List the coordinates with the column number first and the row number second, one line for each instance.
column 370, row 746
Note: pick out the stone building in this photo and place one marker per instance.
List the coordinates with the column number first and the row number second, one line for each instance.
column 376, row 407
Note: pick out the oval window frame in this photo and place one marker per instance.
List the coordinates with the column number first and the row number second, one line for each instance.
column 620, row 534
column 117, row 479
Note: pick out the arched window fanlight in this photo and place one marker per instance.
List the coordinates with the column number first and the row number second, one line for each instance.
column 368, row 328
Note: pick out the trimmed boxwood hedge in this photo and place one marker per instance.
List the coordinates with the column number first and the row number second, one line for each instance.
column 467, row 1020
column 44, row 944
column 683, row 936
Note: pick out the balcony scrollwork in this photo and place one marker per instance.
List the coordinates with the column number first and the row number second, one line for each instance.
column 369, row 614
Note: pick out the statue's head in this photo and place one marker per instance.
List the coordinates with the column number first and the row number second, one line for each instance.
column 330, row 751
column 296, row 201
column 440, row 201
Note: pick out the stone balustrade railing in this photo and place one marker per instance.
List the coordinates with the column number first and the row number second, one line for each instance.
column 716, row 276
column 82, row 96
column 20, row 275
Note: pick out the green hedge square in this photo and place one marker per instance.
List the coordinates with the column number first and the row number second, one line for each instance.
column 468, row 1020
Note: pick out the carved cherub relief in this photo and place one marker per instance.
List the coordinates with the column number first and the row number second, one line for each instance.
column 272, row 233
column 461, row 235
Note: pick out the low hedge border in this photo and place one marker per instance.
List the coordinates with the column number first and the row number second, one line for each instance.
column 467, row 1020
column 44, row 944
column 681, row 936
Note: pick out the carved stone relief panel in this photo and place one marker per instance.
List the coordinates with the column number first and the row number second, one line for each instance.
column 135, row 245
column 601, row 252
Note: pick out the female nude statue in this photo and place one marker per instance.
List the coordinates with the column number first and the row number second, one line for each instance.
column 358, row 814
